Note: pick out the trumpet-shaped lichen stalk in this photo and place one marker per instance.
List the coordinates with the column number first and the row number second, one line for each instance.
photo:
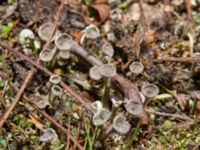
column 107, row 71
column 56, row 92
column 91, row 32
column 115, row 106
column 108, row 50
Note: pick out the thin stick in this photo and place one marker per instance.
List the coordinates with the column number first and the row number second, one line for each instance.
column 56, row 22
column 175, row 116
column 69, row 128
column 179, row 59
column 140, row 35
column 191, row 43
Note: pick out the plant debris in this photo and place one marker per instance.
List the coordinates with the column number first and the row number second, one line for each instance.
column 99, row 74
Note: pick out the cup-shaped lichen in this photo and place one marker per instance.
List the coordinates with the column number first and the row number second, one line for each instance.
column 55, row 79
column 107, row 70
column 64, row 41
column 136, row 67
column 46, row 55
column 91, row 32
column 56, row 92
column 133, row 107
column 48, row 135
column 121, row 125
column 94, row 73
column 150, row 90
column 107, row 49
column 45, row 31
column 97, row 106
column 64, row 54
column 101, row 117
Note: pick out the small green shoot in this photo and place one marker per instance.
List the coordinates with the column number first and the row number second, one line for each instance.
column 5, row 30
column 133, row 136
column 88, row 141
column 123, row 5
column 3, row 143
column 11, row 1
column 95, row 134
column 87, row 2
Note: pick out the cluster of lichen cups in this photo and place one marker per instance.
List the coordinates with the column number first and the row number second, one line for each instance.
column 61, row 48
column 106, row 111
column 118, row 119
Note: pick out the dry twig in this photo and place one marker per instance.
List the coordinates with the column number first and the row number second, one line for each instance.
column 139, row 36
column 175, row 116
column 180, row 59
column 56, row 22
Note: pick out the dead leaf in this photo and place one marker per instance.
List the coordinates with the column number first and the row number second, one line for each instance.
column 151, row 36
column 101, row 9
column 182, row 100
column 36, row 121
column 76, row 35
